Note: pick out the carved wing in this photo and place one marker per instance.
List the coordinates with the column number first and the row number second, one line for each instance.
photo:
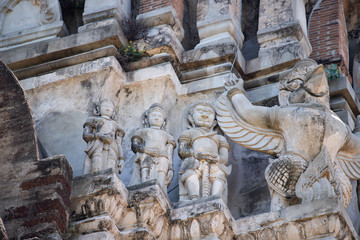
column 350, row 164
column 244, row 134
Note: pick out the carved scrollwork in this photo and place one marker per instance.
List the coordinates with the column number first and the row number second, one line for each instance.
column 36, row 2
column 47, row 14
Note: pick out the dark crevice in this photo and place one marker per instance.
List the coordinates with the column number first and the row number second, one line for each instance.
column 191, row 36
column 249, row 26
column 72, row 11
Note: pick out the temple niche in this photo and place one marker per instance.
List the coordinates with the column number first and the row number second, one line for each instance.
column 179, row 119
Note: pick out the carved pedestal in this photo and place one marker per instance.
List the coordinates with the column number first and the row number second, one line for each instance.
column 282, row 33
column 147, row 216
column 165, row 30
column 97, row 204
column 99, row 10
column 102, row 208
column 321, row 219
column 219, row 32
column 207, row 218
column 106, row 14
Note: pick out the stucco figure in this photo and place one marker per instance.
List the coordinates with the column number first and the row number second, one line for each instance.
column 104, row 138
column 154, row 148
column 204, row 153
column 316, row 153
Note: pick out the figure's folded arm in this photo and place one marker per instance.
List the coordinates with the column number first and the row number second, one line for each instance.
column 184, row 149
column 250, row 126
column 255, row 115
column 137, row 144
column 88, row 133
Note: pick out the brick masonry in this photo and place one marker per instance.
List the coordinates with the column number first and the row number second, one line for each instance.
column 151, row 5
column 328, row 34
column 15, row 114
column 45, row 207
column 34, row 194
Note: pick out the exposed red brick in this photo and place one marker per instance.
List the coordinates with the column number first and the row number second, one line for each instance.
column 48, row 205
column 47, row 180
column 46, row 219
column 43, row 202
column 148, row 5
column 15, row 213
column 328, row 34
column 12, row 102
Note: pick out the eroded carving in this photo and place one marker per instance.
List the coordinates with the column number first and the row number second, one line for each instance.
column 204, row 153
column 47, row 14
column 154, row 149
column 92, row 207
column 316, row 152
column 104, row 138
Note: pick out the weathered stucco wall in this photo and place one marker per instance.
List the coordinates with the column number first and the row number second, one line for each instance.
column 64, row 77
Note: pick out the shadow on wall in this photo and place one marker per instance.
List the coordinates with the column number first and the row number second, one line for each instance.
column 249, row 26
column 248, row 190
column 191, row 37
column 72, row 11
column 56, row 127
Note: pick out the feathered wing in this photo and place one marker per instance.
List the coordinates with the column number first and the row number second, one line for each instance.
column 349, row 159
column 244, row 134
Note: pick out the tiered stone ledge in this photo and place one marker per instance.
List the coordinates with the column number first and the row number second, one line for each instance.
column 103, row 206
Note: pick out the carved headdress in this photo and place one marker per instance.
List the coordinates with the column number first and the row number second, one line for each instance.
column 154, row 107
column 306, row 83
column 98, row 106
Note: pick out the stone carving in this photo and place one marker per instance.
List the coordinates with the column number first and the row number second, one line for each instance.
column 47, row 14
column 204, row 153
column 154, row 149
column 104, row 138
column 92, row 207
column 23, row 21
column 316, row 152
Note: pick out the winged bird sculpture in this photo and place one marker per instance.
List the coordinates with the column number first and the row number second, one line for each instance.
column 316, row 153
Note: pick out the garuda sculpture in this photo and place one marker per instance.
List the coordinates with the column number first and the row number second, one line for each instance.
column 104, row 137
column 316, row 153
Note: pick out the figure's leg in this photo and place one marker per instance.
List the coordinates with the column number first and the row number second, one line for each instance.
column 218, row 181
column 217, row 187
column 161, row 168
column 145, row 164
column 192, row 185
column 182, row 192
column 145, row 174
column 161, row 177
column 111, row 160
column 87, row 165
column 96, row 161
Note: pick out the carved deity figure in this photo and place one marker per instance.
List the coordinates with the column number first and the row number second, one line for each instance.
column 204, row 152
column 316, row 153
column 104, row 138
column 154, row 148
